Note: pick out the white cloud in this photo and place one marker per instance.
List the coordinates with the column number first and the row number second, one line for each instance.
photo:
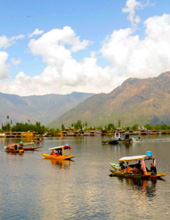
column 128, row 54
column 131, row 7
column 6, row 42
column 63, row 74
column 15, row 62
column 54, row 43
column 36, row 32
column 133, row 57
column 4, row 68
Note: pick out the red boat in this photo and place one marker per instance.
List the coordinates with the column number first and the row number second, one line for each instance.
column 31, row 148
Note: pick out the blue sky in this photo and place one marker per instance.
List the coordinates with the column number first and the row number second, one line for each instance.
column 61, row 46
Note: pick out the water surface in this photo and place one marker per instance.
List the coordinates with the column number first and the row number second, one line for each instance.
column 35, row 188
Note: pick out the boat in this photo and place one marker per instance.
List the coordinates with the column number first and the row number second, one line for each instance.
column 13, row 148
column 27, row 146
column 135, row 140
column 59, row 153
column 135, row 167
column 113, row 140
column 37, row 140
column 126, row 139
column 31, row 148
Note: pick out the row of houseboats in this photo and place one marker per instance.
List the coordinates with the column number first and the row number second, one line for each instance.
column 72, row 132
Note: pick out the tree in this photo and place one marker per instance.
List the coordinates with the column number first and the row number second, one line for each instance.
column 119, row 123
column 110, row 127
column 62, row 127
column 135, row 127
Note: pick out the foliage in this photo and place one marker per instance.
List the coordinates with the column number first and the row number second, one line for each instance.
column 135, row 127
column 22, row 127
column 157, row 127
column 63, row 127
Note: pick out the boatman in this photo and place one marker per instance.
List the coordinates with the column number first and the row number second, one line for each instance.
column 153, row 169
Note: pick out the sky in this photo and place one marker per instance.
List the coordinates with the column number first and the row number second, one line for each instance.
column 62, row 46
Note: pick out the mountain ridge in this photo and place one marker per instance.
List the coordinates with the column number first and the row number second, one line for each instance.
column 135, row 101
column 34, row 108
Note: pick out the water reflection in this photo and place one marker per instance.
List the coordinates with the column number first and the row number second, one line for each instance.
column 142, row 186
column 62, row 164
column 35, row 188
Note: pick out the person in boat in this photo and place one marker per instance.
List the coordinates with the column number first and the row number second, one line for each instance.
column 136, row 170
column 20, row 145
column 153, row 169
column 60, row 152
column 54, row 153
column 15, row 147
column 122, row 166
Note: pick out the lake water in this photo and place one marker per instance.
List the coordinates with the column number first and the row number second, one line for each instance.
column 35, row 188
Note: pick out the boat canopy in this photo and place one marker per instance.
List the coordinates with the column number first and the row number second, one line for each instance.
column 133, row 158
column 60, row 148
column 11, row 145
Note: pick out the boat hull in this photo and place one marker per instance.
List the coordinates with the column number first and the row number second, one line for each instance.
column 14, row 151
column 53, row 157
column 137, row 176
column 31, row 148
column 110, row 141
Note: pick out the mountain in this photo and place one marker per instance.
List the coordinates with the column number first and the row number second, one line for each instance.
column 43, row 108
column 136, row 101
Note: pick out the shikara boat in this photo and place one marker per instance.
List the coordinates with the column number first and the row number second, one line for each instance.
column 113, row 140
column 37, row 140
column 31, row 148
column 13, row 148
column 59, row 153
column 135, row 167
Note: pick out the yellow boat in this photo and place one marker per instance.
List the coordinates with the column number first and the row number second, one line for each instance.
column 135, row 167
column 59, row 153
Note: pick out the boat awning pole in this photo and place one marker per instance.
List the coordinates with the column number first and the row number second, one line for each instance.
column 143, row 166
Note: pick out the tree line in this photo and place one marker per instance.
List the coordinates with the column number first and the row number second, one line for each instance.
column 79, row 125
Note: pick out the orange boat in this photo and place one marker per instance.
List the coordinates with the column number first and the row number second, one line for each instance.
column 14, row 148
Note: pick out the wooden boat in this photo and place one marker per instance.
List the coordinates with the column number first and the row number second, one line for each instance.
column 135, row 167
column 113, row 140
column 37, row 140
column 31, row 148
column 59, row 153
column 126, row 139
column 13, row 148
column 21, row 147
column 136, row 140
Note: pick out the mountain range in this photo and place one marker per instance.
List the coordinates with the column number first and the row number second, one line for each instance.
column 44, row 109
column 136, row 101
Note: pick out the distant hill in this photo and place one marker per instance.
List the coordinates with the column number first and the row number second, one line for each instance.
column 43, row 108
column 138, row 101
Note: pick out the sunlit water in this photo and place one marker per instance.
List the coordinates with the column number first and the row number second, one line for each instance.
column 35, row 188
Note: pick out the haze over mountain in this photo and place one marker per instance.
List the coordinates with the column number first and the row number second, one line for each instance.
column 136, row 101
column 43, row 108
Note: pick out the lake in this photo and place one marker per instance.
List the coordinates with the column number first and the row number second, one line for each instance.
column 32, row 187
